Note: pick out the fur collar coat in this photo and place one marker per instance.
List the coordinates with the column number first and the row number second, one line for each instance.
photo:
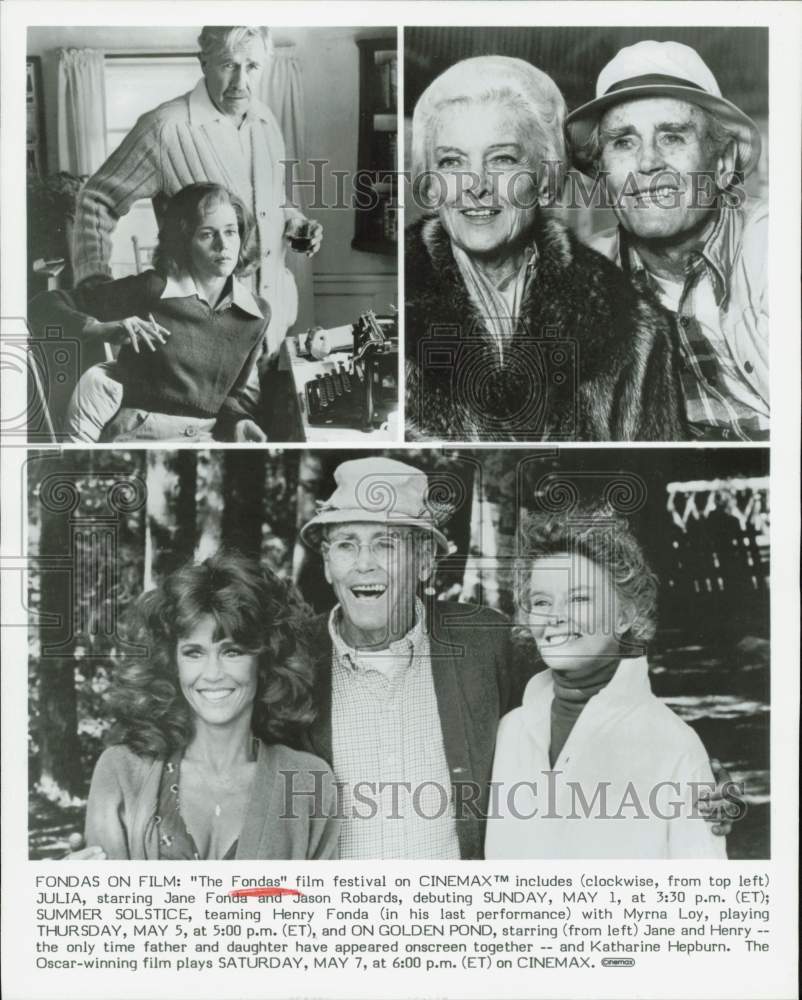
column 591, row 359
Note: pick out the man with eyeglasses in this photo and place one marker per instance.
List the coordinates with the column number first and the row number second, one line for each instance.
column 408, row 698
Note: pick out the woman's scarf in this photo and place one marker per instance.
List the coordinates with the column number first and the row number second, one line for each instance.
column 499, row 306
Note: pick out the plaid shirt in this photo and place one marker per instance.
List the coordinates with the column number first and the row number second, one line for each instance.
column 721, row 318
column 386, row 729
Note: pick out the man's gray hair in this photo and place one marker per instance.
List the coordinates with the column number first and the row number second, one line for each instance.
column 214, row 39
column 717, row 137
column 486, row 79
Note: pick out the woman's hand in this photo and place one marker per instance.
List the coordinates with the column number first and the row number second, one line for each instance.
column 78, row 852
column 249, row 430
column 133, row 329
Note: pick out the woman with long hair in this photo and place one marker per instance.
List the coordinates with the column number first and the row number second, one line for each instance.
column 198, row 767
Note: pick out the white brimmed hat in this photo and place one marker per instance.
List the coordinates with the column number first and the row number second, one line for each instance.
column 661, row 69
column 379, row 491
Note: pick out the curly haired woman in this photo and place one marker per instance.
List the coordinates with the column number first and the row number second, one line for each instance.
column 593, row 764
column 197, row 769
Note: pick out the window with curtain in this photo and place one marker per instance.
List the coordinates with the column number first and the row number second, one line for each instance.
column 134, row 85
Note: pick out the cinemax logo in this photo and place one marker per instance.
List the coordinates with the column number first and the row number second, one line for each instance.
column 618, row 963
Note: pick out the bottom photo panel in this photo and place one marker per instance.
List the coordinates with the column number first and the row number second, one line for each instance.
column 435, row 654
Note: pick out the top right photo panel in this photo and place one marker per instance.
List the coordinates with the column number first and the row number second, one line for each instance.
column 586, row 234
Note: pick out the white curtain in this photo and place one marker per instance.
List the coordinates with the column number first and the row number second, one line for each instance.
column 81, row 111
column 282, row 91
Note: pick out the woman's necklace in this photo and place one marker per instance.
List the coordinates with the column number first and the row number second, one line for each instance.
column 228, row 790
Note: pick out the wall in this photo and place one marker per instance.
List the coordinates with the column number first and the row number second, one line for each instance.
column 345, row 281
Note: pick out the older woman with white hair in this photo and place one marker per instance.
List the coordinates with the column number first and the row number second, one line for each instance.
column 514, row 329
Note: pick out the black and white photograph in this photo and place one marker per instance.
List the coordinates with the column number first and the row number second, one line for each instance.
column 195, row 271
column 445, row 624
column 586, row 233
column 399, row 550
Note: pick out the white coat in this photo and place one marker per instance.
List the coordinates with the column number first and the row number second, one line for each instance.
column 622, row 751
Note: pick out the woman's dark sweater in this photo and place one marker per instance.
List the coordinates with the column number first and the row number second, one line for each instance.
column 203, row 368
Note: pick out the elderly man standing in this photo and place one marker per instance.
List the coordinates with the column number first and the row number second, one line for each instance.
column 218, row 132
column 408, row 698
column 671, row 151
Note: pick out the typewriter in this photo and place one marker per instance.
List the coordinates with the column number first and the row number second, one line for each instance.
column 364, row 391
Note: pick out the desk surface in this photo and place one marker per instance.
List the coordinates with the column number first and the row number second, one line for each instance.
column 305, row 370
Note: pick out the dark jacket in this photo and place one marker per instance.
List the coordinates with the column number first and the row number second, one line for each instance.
column 592, row 360
column 201, row 371
column 478, row 675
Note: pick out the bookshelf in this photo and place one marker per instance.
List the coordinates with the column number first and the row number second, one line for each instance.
column 376, row 189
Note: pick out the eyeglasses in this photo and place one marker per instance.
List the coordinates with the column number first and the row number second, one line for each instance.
column 345, row 551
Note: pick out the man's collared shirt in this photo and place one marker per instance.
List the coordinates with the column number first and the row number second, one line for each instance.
column 721, row 318
column 202, row 110
column 386, row 732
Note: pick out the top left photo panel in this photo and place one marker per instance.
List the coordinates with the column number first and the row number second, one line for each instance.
column 212, row 238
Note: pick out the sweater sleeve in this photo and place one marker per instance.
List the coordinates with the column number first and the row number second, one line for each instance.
column 689, row 835
column 105, row 810
column 507, row 831
column 110, row 300
column 133, row 171
column 244, row 400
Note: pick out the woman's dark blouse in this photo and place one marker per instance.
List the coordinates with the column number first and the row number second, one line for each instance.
column 176, row 843
column 203, row 368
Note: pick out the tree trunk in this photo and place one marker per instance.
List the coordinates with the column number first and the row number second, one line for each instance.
column 186, row 509
column 60, row 777
column 243, row 472
column 279, row 517
column 170, row 532
column 209, row 503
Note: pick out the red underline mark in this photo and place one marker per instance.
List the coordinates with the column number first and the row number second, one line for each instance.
column 264, row 890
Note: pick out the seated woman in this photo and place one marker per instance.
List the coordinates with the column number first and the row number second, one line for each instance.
column 191, row 332
column 593, row 765
column 515, row 329
column 197, row 769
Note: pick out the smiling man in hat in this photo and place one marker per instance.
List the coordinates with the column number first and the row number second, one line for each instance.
column 672, row 152
column 408, row 698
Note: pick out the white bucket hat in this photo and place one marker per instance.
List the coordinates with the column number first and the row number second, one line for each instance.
column 377, row 491
column 661, row 69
